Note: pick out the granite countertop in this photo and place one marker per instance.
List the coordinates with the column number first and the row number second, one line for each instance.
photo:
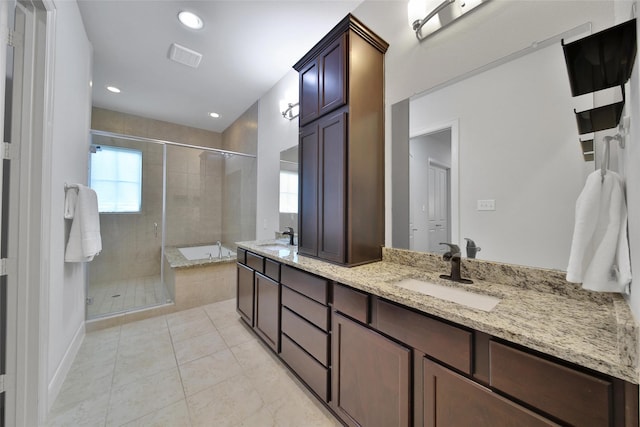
column 538, row 308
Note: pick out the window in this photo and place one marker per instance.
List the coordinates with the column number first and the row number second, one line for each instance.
column 116, row 176
column 288, row 192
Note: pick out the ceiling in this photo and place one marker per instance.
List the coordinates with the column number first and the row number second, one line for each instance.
column 247, row 47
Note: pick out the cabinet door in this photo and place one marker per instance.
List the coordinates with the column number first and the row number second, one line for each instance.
column 244, row 294
column 267, row 318
column 333, row 89
column 371, row 376
column 332, row 187
column 308, row 188
column 309, row 92
column 451, row 400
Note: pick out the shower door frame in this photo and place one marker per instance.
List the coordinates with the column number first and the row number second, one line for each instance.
column 165, row 144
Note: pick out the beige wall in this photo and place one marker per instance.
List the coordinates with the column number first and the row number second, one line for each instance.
column 202, row 198
column 242, row 135
column 130, row 246
column 194, row 196
column 239, row 191
column 128, row 124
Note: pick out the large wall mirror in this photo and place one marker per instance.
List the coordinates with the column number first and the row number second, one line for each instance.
column 493, row 157
column 289, row 188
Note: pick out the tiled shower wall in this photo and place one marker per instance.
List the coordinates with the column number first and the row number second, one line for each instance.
column 194, row 196
column 206, row 195
column 130, row 246
column 239, row 194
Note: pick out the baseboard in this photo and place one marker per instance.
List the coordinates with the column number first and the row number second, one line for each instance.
column 55, row 385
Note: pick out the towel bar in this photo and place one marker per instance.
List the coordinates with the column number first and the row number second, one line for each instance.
column 68, row 187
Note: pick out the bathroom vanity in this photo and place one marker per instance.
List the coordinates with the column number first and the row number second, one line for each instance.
column 378, row 353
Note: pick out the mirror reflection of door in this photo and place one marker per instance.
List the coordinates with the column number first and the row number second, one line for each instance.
column 430, row 191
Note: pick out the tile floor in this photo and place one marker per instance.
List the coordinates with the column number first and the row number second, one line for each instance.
column 125, row 294
column 198, row 367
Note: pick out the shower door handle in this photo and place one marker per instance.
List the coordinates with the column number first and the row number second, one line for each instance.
column 155, row 226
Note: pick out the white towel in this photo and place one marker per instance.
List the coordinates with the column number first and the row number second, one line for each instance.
column 599, row 256
column 85, row 241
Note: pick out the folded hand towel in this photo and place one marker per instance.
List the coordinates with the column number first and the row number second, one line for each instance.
column 599, row 256
column 84, row 239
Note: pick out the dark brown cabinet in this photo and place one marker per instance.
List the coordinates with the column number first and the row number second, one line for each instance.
column 574, row 397
column 341, row 146
column 305, row 328
column 258, row 296
column 451, row 400
column 322, row 82
column 245, row 293
column 267, row 314
column 371, row 376
column 323, row 150
column 378, row 363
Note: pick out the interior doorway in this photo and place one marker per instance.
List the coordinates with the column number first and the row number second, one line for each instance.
column 430, row 191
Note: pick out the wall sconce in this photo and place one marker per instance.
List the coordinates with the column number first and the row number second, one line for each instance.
column 292, row 111
column 426, row 17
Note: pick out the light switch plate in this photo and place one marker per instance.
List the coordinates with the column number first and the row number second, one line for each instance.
column 487, row 205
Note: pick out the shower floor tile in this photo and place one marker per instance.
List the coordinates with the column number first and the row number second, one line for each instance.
column 151, row 372
column 125, row 294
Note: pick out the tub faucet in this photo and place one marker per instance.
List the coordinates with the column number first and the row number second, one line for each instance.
column 453, row 256
column 219, row 249
column 289, row 232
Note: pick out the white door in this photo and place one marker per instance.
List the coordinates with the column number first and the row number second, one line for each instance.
column 438, row 208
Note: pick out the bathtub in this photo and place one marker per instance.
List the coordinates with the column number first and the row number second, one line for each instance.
column 206, row 252
column 196, row 276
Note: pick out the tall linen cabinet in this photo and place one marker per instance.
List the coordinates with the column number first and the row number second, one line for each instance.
column 341, row 146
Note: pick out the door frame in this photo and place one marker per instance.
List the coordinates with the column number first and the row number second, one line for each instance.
column 454, row 172
column 447, row 168
column 26, row 385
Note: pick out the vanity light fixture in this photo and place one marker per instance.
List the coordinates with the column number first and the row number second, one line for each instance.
column 113, row 89
column 190, row 20
column 426, row 17
column 292, row 111
column 214, row 115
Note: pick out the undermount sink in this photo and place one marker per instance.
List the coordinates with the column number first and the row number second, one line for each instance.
column 448, row 293
column 275, row 246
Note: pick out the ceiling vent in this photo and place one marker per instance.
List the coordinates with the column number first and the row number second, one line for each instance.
column 184, row 55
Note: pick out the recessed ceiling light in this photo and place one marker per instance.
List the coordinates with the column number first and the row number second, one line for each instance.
column 190, row 20
column 214, row 115
column 113, row 89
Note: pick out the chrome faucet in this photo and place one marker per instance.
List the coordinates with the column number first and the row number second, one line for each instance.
column 219, row 249
column 289, row 232
column 453, row 256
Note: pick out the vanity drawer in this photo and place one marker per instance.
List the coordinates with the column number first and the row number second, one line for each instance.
column 256, row 262
column 311, row 339
column 572, row 396
column 313, row 373
column 311, row 310
column 354, row 304
column 272, row 269
column 307, row 284
column 241, row 256
column 442, row 341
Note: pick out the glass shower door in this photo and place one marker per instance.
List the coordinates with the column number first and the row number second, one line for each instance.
column 128, row 176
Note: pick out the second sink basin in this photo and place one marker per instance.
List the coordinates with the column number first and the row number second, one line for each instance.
column 448, row 293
